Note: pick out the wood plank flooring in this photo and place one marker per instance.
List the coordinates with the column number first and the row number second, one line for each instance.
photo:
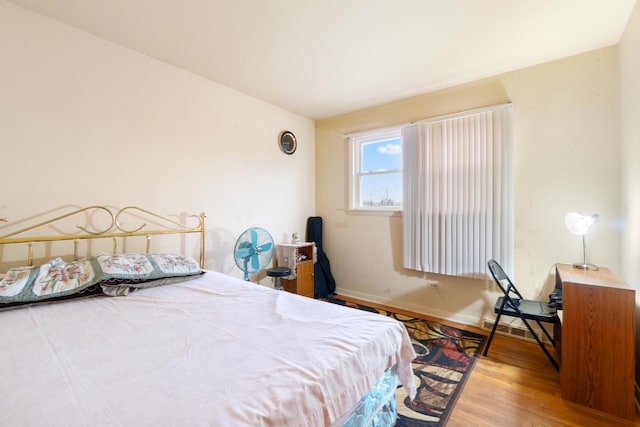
column 515, row 385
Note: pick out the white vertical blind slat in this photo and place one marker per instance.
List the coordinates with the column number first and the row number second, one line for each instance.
column 458, row 198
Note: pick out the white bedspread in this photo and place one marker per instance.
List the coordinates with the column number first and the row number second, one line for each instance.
column 215, row 351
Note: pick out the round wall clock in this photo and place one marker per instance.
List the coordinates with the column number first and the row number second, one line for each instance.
column 287, row 142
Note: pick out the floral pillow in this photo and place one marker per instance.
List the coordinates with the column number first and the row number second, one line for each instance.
column 111, row 274
column 144, row 266
column 121, row 273
column 52, row 280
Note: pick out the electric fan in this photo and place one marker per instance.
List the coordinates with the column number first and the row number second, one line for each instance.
column 253, row 250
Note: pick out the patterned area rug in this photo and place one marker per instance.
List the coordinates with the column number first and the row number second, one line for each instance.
column 445, row 358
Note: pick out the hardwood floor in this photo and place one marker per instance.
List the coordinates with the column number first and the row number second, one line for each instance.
column 515, row 385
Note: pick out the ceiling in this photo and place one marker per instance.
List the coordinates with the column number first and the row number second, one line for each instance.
column 321, row 58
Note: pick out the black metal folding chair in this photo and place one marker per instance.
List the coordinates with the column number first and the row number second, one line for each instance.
column 512, row 304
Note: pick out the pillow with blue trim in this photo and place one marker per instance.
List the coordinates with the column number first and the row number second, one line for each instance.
column 53, row 280
column 122, row 273
column 110, row 274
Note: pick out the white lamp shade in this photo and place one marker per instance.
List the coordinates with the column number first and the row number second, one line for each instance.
column 579, row 224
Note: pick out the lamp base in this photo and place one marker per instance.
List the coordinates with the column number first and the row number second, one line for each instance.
column 582, row 266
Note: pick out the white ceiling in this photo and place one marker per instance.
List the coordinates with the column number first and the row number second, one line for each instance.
column 320, row 58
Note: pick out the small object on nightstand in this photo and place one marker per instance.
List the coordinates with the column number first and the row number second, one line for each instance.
column 277, row 273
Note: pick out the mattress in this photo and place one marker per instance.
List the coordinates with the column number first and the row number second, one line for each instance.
column 378, row 407
column 214, row 351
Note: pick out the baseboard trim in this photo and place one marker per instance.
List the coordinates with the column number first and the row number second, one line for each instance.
column 514, row 330
column 419, row 309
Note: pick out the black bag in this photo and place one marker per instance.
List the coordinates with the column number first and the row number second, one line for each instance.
column 324, row 283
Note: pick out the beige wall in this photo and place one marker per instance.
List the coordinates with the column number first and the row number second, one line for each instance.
column 630, row 101
column 567, row 132
column 84, row 121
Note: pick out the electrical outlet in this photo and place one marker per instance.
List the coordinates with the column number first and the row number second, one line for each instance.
column 431, row 284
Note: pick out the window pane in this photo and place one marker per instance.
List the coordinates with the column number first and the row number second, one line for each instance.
column 382, row 155
column 381, row 190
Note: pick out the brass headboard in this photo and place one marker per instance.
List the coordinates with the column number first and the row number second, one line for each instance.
column 114, row 229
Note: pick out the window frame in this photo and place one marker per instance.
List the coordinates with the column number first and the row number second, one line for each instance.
column 356, row 174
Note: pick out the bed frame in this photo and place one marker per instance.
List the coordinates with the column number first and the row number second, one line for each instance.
column 114, row 229
column 102, row 222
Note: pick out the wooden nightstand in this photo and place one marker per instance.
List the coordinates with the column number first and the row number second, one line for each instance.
column 299, row 258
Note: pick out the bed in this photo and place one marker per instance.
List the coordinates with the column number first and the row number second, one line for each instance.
column 151, row 338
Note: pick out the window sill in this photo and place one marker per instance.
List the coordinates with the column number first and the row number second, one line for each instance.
column 375, row 212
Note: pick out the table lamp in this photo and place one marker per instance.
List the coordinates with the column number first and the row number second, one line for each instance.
column 579, row 224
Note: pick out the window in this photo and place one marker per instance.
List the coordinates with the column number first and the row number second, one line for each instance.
column 452, row 179
column 376, row 178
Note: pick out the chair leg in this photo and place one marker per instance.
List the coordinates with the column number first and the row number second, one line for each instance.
column 549, row 337
column 493, row 331
column 541, row 344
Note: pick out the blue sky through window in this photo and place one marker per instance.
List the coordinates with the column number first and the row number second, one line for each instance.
column 382, row 189
column 383, row 155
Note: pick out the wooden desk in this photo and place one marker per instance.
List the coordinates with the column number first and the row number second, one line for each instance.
column 597, row 340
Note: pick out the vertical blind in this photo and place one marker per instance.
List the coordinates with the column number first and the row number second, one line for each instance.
column 458, row 193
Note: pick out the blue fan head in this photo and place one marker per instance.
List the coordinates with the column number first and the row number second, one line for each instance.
column 254, row 250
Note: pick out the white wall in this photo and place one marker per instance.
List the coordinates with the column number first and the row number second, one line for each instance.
column 84, row 121
column 629, row 50
column 630, row 100
column 567, row 157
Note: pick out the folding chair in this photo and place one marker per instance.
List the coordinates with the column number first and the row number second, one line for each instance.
column 512, row 304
